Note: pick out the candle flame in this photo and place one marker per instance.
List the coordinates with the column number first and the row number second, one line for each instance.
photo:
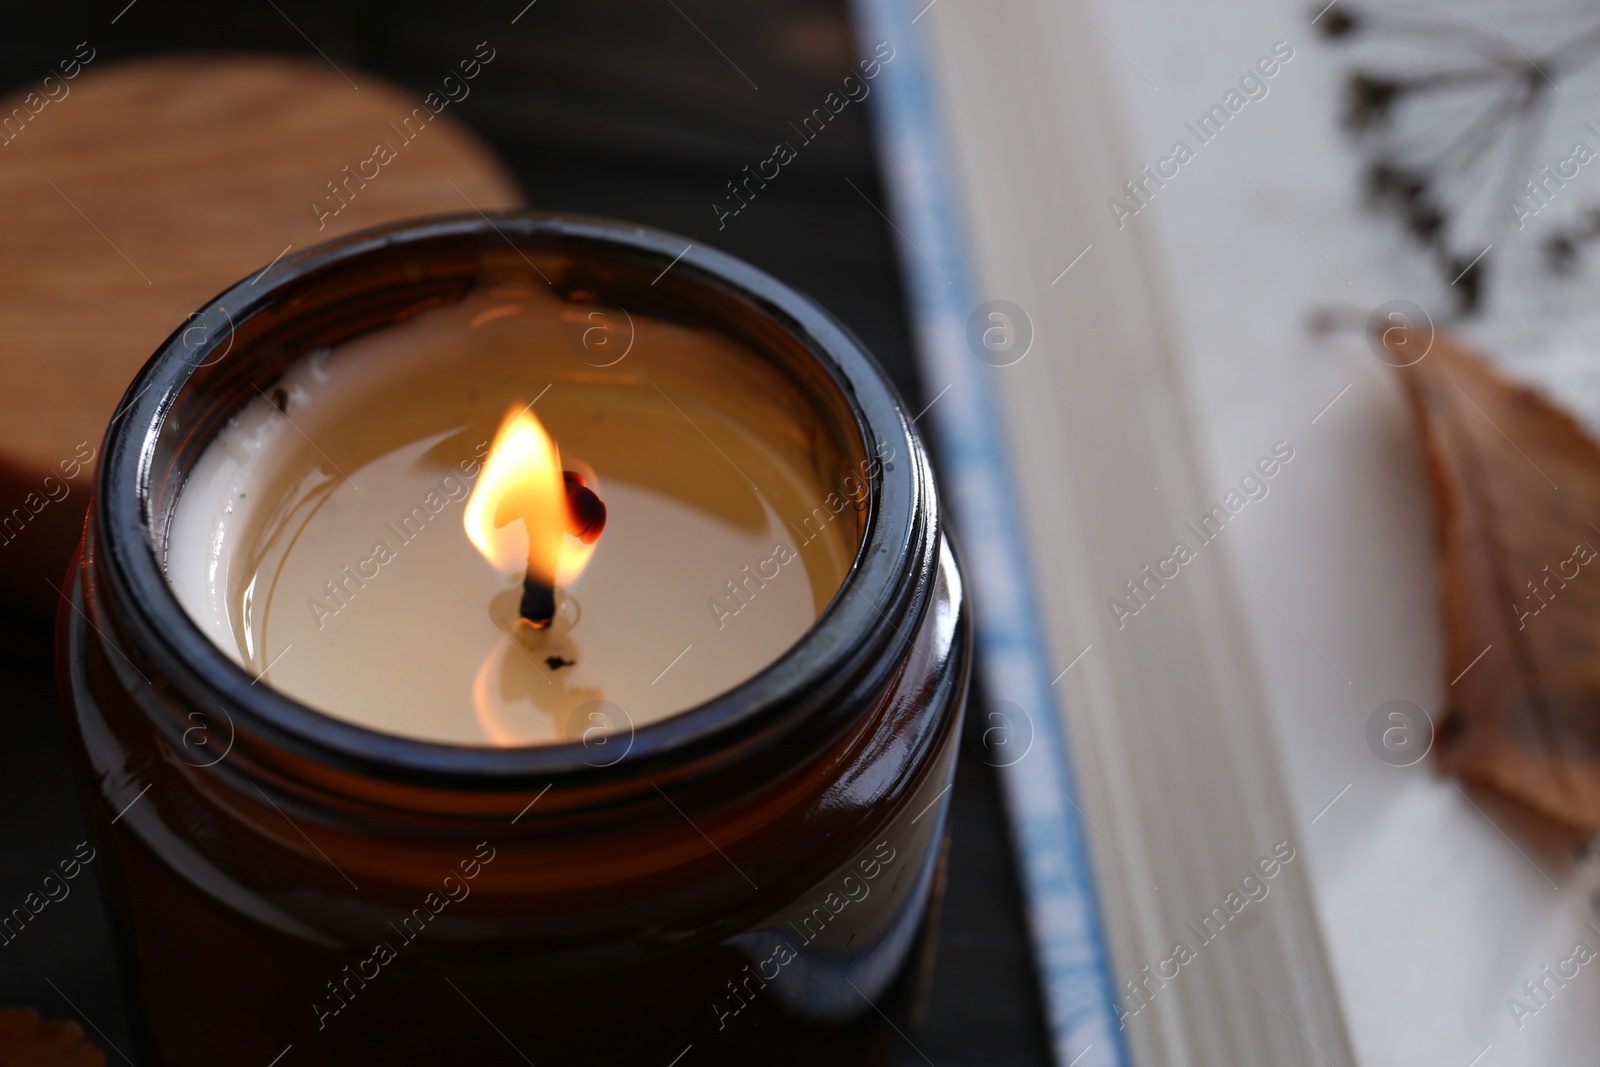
column 518, row 512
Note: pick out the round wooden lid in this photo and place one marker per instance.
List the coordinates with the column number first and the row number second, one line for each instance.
column 136, row 191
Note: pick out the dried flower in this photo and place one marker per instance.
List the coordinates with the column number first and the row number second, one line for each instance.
column 1393, row 183
column 1469, row 277
column 1562, row 248
column 1561, row 252
column 1424, row 220
column 1430, row 166
column 1369, row 100
column 1334, row 23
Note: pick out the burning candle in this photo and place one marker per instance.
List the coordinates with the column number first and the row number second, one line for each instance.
column 511, row 618
column 634, row 539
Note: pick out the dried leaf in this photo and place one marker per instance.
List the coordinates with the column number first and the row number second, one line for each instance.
column 27, row 1041
column 1516, row 491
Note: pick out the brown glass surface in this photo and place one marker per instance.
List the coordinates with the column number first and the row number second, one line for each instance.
column 747, row 875
column 592, row 937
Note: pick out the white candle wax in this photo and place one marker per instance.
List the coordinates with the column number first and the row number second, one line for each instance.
column 319, row 540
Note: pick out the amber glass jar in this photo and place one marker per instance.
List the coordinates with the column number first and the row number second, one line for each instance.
column 747, row 879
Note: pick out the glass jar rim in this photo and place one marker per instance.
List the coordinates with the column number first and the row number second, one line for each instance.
column 855, row 636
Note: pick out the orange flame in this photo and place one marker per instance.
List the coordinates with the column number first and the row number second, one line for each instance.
column 517, row 514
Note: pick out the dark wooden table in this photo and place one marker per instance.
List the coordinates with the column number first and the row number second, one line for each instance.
column 644, row 110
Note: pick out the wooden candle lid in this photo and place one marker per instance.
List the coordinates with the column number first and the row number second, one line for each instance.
column 144, row 190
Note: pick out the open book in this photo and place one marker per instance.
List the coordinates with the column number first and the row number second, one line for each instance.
column 1201, row 550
